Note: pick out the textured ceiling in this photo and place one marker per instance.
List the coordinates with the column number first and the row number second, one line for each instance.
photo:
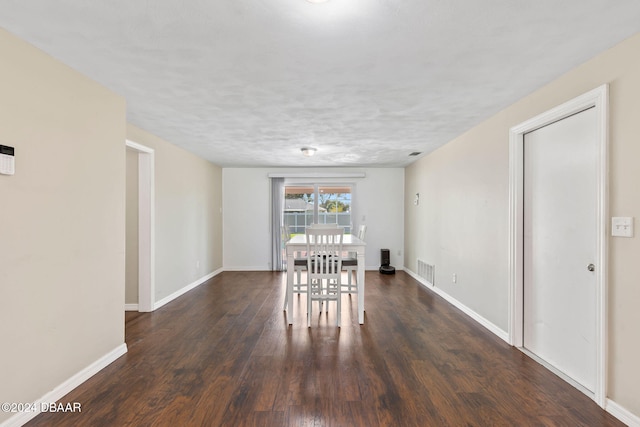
column 366, row 82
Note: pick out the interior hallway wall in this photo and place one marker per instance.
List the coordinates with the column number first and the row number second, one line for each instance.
column 188, row 214
column 62, row 215
column 463, row 226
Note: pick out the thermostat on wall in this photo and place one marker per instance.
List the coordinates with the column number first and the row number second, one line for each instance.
column 7, row 160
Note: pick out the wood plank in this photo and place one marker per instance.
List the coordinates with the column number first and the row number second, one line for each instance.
column 223, row 354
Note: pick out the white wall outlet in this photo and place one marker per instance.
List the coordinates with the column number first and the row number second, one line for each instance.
column 622, row 226
column 454, row 279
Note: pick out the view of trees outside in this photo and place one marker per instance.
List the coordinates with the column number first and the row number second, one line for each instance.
column 334, row 207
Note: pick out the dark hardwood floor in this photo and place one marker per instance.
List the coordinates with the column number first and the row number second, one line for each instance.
column 223, row 355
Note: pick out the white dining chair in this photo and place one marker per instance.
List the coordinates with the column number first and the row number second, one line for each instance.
column 323, row 226
column 350, row 264
column 324, row 269
column 300, row 262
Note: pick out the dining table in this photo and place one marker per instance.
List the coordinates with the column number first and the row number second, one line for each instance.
column 350, row 243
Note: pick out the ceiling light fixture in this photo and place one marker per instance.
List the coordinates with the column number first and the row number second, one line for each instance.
column 308, row 151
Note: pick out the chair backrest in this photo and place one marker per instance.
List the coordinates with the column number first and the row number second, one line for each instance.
column 324, row 251
column 323, row 226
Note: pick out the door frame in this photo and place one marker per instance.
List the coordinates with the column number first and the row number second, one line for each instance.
column 597, row 98
column 146, row 226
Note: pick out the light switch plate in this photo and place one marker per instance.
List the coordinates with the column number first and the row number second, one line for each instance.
column 622, row 226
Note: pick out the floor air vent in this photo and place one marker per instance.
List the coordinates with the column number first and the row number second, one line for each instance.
column 427, row 271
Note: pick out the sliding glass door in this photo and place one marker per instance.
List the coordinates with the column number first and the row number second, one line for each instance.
column 317, row 203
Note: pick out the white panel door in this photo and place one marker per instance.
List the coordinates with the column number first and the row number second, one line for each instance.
column 560, row 237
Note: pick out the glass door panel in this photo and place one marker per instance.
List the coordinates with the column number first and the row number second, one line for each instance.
column 334, row 205
column 299, row 208
column 317, row 204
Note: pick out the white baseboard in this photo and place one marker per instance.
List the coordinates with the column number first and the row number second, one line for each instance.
column 504, row 335
column 622, row 414
column 131, row 307
column 247, row 268
column 186, row 289
column 63, row 389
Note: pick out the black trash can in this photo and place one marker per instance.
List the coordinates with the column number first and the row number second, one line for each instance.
column 385, row 262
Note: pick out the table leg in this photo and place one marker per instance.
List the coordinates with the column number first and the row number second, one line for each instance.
column 361, row 288
column 290, row 273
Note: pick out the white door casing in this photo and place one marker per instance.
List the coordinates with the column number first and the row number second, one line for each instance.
column 598, row 100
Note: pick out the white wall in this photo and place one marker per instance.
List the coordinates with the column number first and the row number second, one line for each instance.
column 247, row 200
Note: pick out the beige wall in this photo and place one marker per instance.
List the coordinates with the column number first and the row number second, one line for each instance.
column 62, row 257
column 62, row 222
column 461, row 222
column 188, row 217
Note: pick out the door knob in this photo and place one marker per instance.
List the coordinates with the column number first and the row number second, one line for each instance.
column 591, row 267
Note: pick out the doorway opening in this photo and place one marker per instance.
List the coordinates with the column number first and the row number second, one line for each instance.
column 145, row 227
column 598, row 100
